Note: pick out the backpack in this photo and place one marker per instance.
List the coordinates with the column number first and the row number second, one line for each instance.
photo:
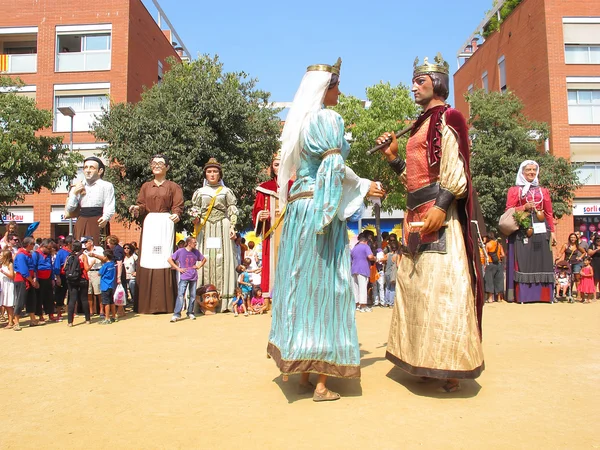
column 494, row 255
column 73, row 268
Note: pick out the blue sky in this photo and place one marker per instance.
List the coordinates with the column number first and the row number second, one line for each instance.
column 274, row 41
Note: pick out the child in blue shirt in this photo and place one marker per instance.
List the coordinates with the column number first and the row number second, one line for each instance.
column 245, row 283
column 108, row 282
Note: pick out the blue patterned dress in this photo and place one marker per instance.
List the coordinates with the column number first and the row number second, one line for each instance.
column 313, row 328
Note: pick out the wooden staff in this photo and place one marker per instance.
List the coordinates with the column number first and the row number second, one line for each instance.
column 264, row 222
column 387, row 141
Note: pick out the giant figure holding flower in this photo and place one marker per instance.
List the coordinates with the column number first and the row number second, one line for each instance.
column 215, row 216
column 529, row 272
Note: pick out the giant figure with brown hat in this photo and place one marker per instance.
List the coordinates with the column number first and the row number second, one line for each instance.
column 215, row 217
column 92, row 201
column 436, row 323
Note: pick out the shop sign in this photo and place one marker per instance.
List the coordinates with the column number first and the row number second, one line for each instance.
column 24, row 215
column 586, row 209
column 57, row 215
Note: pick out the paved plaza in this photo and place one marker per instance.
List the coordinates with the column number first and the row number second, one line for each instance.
column 146, row 383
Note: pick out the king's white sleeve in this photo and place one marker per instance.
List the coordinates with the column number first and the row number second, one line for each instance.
column 354, row 190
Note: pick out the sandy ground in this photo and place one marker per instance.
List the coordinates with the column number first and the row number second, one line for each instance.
column 147, row 383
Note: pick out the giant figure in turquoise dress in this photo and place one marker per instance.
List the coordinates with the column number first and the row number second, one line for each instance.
column 313, row 328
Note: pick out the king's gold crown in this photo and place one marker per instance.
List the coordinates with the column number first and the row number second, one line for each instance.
column 439, row 66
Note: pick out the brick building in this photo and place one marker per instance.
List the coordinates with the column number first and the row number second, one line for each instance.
column 548, row 53
column 84, row 57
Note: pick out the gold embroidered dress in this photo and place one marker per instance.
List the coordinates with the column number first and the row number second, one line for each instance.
column 434, row 330
column 220, row 265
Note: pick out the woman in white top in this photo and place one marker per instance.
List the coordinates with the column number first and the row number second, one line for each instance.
column 130, row 265
column 7, row 295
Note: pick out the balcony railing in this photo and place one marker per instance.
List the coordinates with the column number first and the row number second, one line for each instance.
column 18, row 63
column 83, row 61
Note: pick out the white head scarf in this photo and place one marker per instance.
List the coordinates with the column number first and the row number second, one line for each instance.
column 309, row 98
column 521, row 181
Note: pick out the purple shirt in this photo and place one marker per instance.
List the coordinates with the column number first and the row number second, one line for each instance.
column 360, row 259
column 187, row 260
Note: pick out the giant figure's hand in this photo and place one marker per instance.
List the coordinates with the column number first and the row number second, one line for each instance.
column 79, row 188
column 174, row 218
column 433, row 221
column 375, row 190
column 390, row 151
column 102, row 221
column 134, row 210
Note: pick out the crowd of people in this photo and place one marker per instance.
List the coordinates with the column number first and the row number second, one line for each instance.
column 48, row 277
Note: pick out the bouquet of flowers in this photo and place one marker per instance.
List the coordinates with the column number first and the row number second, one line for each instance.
column 195, row 212
column 523, row 219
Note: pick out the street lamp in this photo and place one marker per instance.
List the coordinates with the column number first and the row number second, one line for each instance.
column 69, row 112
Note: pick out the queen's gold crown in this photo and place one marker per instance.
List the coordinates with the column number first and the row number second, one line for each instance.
column 440, row 65
column 326, row 67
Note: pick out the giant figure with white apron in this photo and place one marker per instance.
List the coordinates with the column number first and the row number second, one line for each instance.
column 160, row 205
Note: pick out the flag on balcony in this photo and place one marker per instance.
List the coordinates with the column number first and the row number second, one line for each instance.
column 3, row 63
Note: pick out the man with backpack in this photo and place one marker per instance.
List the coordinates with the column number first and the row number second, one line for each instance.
column 76, row 268
column 59, row 274
column 493, row 279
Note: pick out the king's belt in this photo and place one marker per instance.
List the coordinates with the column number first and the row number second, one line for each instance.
column 91, row 211
column 422, row 196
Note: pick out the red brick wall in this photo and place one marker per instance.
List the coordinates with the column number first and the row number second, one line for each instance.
column 522, row 41
column 133, row 65
column 146, row 48
column 531, row 39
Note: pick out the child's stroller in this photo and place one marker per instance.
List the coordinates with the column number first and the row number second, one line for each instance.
column 559, row 267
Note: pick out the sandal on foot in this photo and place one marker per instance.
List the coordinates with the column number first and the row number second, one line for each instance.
column 16, row 328
column 306, row 388
column 327, row 396
column 449, row 387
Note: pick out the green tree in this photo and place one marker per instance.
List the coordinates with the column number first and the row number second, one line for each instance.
column 391, row 108
column 195, row 113
column 502, row 138
column 29, row 161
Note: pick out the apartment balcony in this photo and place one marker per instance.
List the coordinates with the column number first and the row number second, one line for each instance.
column 18, row 50
column 18, row 63
column 83, row 61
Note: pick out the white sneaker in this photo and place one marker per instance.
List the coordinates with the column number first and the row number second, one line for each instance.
column 235, row 314
column 358, row 308
column 191, row 317
column 174, row 319
column 366, row 309
column 246, row 314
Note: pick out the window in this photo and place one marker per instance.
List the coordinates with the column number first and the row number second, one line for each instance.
column 484, row 82
column 83, row 48
column 160, row 72
column 470, row 89
column 86, row 107
column 502, row 74
column 589, row 174
column 582, row 54
column 584, row 106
